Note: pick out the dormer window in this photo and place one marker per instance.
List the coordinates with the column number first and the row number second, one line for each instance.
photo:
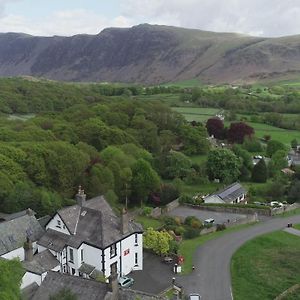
column 58, row 224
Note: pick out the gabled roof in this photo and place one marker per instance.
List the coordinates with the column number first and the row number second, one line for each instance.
column 231, row 192
column 95, row 223
column 13, row 233
column 41, row 263
column 82, row 288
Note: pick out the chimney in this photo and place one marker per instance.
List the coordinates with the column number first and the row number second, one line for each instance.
column 28, row 250
column 124, row 222
column 80, row 197
column 30, row 212
column 113, row 283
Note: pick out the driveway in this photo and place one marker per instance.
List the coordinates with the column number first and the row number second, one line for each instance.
column 219, row 217
column 211, row 277
column 155, row 277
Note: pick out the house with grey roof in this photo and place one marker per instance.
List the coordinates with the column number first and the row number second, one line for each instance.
column 88, row 238
column 84, row 288
column 14, row 231
column 37, row 266
column 234, row 193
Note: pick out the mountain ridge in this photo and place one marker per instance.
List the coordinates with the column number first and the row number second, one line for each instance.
column 150, row 54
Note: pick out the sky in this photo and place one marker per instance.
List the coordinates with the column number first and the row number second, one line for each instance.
column 269, row 18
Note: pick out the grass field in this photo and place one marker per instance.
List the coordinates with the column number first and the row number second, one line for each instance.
column 283, row 135
column 266, row 266
column 198, row 114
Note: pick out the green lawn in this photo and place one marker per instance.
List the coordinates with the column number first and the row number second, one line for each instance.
column 148, row 222
column 297, row 226
column 266, row 266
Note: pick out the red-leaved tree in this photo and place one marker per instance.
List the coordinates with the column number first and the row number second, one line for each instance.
column 215, row 127
column 238, row 131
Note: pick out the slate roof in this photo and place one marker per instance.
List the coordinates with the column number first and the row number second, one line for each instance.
column 13, row 233
column 91, row 271
column 231, row 192
column 82, row 288
column 28, row 292
column 94, row 223
column 54, row 240
column 41, row 263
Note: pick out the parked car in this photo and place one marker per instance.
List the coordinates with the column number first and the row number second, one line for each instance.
column 276, row 204
column 209, row 221
column 126, row 281
column 167, row 259
column 194, row 297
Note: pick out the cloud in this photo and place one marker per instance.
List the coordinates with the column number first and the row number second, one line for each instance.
column 256, row 17
column 66, row 23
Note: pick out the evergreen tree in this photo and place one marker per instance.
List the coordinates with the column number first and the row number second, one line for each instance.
column 260, row 172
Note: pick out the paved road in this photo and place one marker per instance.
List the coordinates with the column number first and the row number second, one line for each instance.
column 212, row 278
column 219, row 217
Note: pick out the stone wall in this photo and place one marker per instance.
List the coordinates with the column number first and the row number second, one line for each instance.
column 172, row 205
column 249, row 219
column 156, row 212
column 235, row 210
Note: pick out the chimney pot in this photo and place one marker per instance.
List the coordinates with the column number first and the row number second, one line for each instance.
column 80, row 196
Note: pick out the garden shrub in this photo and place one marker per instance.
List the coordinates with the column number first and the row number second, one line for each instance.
column 221, row 227
column 147, row 211
column 191, row 233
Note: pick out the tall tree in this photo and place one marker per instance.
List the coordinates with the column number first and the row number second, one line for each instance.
column 238, row 131
column 144, row 179
column 273, row 146
column 260, row 172
column 215, row 127
column 224, row 165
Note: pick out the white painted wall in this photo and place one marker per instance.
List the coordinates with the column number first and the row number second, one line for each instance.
column 30, row 278
column 18, row 253
column 92, row 256
column 128, row 259
column 53, row 224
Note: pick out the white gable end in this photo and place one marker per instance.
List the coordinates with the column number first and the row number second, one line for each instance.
column 57, row 224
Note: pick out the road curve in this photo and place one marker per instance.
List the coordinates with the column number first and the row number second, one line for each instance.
column 211, row 277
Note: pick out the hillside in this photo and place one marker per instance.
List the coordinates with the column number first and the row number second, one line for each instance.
column 150, row 54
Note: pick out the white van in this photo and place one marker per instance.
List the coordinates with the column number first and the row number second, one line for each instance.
column 209, row 221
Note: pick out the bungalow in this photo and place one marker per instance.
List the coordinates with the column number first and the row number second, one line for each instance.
column 234, row 193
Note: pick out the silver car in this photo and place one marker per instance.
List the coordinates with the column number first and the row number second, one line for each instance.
column 194, row 297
